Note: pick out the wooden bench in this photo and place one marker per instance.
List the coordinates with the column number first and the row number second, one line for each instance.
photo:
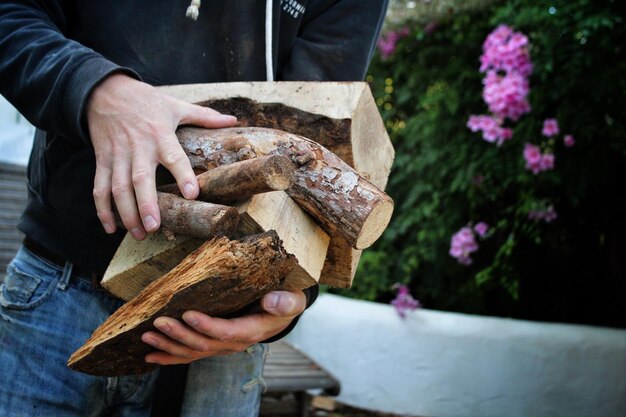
column 12, row 202
column 289, row 374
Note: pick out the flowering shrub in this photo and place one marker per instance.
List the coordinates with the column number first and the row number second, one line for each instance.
column 544, row 86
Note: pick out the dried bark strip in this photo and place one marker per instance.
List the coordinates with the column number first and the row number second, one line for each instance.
column 218, row 279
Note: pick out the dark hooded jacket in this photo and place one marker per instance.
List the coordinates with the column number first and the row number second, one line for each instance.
column 53, row 53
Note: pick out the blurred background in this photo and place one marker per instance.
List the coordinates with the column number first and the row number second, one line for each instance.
column 427, row 79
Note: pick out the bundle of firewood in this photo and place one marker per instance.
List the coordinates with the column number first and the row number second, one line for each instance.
column 287, row 200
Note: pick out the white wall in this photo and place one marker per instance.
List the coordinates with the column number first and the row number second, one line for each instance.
column 444, row 364
column 16, row 135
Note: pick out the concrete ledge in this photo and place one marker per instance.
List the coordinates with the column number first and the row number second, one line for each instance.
column 436, row 363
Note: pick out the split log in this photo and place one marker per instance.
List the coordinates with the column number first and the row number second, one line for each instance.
column 218, row 279
column 244, row 179
column 341, row 200
column 301, row 236
column 138, row 263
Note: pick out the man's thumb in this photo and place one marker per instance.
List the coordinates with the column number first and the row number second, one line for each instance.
column 284, row 303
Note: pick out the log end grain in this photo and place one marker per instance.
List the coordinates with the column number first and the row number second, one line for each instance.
column 374, row 224
column 279, row 172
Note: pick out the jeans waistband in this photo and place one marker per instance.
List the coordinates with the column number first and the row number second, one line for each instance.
column 49, row 256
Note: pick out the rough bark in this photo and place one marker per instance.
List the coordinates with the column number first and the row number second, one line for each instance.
column 329, row 132
column 218, row 279
column 341, row 200
column 198, row 219
column 239, row 180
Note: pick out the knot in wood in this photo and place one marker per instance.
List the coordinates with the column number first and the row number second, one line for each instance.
column 246, row 153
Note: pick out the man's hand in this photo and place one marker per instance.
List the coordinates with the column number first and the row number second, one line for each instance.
column 132, row 127
column 202, row 336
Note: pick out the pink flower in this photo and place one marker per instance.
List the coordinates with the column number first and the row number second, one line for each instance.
column 404, row 301
column 506, row 94
column 568, row 141
column 506, row 133
column 505, row 50
column 490, row 126
column 536, row 161
column 462, row 244
column 387, row 42
column 506, row 63
column 532, row 155
column 548, row 215
column 550, row 128
column 547, row 162
column 481, row 229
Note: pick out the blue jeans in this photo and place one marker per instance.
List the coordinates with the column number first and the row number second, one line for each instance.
column 46, row 313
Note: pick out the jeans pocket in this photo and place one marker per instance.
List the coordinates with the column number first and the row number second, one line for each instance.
column 22, row 290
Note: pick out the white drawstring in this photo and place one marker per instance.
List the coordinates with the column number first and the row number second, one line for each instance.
column 193, row 10
column 269, row 60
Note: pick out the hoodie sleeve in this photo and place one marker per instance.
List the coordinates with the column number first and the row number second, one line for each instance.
column 335, row 41
column 45, row 75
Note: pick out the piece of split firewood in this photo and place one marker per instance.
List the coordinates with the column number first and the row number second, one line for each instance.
column 218, row 279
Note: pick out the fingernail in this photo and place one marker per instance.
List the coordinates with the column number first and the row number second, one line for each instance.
column 188, row 190
column 150, row 340
column 162, row 325
column 271, row 301
column 108, row 228
column 149, row 222
column 137, row 233
column 227, row 118
column 191, row 319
